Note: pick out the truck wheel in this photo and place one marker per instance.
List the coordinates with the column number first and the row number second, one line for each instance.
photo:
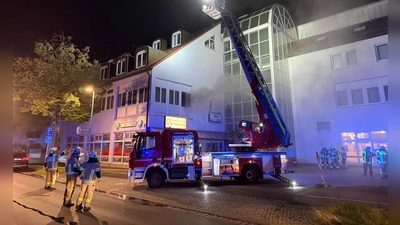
column 156, row 179
column 249, row 175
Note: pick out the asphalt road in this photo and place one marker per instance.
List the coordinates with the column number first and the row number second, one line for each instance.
column 34, row 205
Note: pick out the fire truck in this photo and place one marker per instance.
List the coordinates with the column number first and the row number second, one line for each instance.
column 176, row 154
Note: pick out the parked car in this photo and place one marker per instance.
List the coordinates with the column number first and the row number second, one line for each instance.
column 63, row 159
column 21, row 159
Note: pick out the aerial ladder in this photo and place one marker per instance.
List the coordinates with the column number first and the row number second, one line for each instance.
column 273, row 132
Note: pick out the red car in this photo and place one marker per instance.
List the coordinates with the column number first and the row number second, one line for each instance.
column 21, row 159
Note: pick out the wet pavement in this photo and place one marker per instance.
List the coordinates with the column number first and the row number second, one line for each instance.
column 297, row 207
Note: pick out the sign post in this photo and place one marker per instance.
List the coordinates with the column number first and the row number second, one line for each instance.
column 48, row 138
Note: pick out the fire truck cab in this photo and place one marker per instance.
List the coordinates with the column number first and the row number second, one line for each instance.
column 160, row 156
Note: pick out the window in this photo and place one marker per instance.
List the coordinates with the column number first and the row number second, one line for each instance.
column 342, row 98
column 385, row 90
column 141, row 59
column 134, row 97
column 103, row 103
column 373, row 94
column 381, row 52
column 186, row 99
column 344, row 59
column 176, row 38
column 161, row 95
column 143, row 94
column 130, row 98
column 173, row 97
column 210, row 43
column 157, row 44
column 357, row 97
column 110, row 102
column 121, row 66
column 103, row 71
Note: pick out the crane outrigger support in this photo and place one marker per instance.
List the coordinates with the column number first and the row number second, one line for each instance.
column 284, row 179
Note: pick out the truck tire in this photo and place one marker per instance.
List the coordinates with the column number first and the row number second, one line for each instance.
column 156, row 178
column 249, row 175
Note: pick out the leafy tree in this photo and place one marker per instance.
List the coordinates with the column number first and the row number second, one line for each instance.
column 51, row 84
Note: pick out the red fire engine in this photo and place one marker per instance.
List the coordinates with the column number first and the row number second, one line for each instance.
column 176, row 154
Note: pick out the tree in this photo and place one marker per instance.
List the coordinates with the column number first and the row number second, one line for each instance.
column 51, row 84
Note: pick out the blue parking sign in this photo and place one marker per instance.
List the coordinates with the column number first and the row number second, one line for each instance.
column 49, row 135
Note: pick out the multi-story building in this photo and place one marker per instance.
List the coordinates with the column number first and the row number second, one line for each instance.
column 329, row 78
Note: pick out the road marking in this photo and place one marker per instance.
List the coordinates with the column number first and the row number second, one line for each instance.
column 345, row 199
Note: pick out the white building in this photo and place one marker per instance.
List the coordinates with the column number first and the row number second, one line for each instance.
column 328, row 77
column 339, row 77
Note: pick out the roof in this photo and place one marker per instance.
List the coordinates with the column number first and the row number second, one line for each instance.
column 170, row 52
column 358, row 32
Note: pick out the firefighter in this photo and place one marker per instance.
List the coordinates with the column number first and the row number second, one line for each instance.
column 343, row 153
column 333, row 158
column 51, row 167
column 324, row 157
column 90, row 170
column 367, row 160
column 72, row 172
column 382, row 158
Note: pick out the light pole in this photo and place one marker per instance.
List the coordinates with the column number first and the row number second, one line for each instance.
column 91, row 116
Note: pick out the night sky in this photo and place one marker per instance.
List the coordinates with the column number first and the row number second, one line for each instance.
column 111, row 28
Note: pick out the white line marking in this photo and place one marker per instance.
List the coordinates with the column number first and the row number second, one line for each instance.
column 344, row 199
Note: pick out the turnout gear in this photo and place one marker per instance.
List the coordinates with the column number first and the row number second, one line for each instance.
column 333, row 158
column 367, row 160
column 382, row 158
column 72, row 172
column 90, row 171
column 324, row 157
column 51, row 167
column 343, row 153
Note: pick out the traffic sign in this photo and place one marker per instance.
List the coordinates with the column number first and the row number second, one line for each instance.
column 49, row 135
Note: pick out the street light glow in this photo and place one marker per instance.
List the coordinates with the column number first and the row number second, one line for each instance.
column 88, row 89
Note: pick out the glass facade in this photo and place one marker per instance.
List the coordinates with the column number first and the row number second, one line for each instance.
column 270, row 33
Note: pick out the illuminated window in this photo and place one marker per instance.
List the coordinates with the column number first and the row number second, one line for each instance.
column 362, row 135
column 348, row 136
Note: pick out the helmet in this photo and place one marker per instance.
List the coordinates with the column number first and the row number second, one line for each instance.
column 77, row 151
column 92, row 155
column 52, row 150
column 368, row 148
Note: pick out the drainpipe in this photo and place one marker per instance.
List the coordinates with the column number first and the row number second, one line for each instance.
column 148, row 98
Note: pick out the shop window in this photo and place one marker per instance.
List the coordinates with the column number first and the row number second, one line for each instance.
column 379, row 135
column 381, row 52
column 362, row 135
column 348, row 136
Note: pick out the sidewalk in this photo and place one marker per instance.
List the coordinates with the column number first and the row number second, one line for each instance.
column 344, row 185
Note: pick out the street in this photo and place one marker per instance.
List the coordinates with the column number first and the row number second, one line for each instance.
column 34, row 205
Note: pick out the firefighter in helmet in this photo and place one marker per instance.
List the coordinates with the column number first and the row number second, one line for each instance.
column 333, row 158
column 324, row 157
column 72, row 172
column 90, row 171
column 343, row 153
column 382, row 158
column 51, row 167
column 367, row 160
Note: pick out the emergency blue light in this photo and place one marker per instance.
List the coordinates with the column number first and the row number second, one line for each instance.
column 148, row 129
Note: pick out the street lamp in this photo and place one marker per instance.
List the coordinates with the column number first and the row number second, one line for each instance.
column 91, row 115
